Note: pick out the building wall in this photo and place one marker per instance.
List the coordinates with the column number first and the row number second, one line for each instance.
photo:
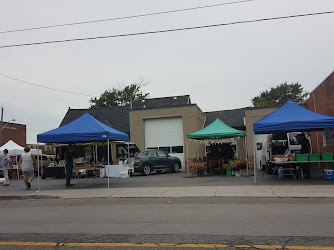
column 193, row 120
column 321, row 100
column 14, row 132
column 253, row 115
column 241, row 148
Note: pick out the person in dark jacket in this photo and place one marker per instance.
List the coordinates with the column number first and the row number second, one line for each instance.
column 305, row 149
column 69, row 155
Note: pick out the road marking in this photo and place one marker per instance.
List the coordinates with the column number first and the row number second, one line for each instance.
column 268, row 246
column 162, row 245
column 28, row 244
column 309, row 248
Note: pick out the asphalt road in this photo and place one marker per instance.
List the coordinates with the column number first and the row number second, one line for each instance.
column 232, row 222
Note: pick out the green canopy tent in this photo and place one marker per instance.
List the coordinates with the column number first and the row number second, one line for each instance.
column 214, row 132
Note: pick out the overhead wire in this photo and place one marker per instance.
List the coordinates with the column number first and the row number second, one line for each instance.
column 168, row 30
column 41, row 86
column 124, row 17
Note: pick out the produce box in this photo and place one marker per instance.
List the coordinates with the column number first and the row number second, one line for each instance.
column 301, row 157
column 314, row 157
column 328, row 174
column 326, row 157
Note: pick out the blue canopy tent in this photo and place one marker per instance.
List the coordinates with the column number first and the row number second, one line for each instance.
column 291, row 117
column 84, row 129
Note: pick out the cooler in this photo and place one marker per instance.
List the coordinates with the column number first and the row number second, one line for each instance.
column 328, row 174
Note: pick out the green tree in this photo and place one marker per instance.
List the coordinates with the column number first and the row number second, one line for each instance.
column 120, row 96
column 280, row 94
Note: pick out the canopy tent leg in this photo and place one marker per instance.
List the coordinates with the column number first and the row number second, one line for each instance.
column 254, row 145
column 96, row 159
column 188, row 158
column 38, row 167
column 108, row 163
column 247, row 165
column 128, row 153
column 17, row 170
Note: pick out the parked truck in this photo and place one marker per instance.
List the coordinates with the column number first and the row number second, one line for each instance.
column 278, row 144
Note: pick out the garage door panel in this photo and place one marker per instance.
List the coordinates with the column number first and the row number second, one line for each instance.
column 164, row 132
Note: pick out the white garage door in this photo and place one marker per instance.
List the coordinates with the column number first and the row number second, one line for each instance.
column 165, row 134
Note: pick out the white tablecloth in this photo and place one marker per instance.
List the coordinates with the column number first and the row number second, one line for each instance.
column 113, row 170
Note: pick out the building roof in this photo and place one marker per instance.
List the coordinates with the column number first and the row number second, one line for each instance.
column 164, row 102
column 330, row 75
column 115, row 117
column 234, row 117
column 118, row 117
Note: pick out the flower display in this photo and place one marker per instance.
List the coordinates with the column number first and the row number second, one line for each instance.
column 236, row 164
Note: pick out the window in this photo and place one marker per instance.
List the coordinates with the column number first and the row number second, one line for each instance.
column 259, row 145
column 162, row 153
column 153, row 148
column 124, row 147
column 294, row 141
column 165, row 149
column 177, row 149
column 152, row 153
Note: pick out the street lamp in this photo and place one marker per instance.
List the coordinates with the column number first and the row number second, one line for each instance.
column 2, row 128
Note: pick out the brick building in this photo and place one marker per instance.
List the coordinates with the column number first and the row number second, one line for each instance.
column 13, row 131
column 321, row 100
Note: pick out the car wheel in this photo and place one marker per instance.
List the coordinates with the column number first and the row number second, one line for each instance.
column 176, row 167
column 146, row 169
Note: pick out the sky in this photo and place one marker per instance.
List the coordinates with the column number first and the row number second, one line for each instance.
column 221, row 68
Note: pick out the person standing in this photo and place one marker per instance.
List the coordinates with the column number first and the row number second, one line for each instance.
column 305, row 149
column 27, row 161
column 209, row 161
column 69, row 155
column 5, row 166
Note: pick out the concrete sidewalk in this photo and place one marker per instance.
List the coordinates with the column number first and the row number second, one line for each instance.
column 173, row 185
column 314, row 191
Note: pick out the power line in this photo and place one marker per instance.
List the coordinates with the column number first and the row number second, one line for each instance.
column 41, row 86
column 124, row 17
column 169, row 30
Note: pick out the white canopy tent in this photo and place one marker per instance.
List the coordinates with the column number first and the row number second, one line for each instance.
column 16, row 149
column 13, row 148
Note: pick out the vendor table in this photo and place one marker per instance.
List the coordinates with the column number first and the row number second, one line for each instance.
column 290, row 166
column 55, row 172
column 197, row 167
column 114, row 170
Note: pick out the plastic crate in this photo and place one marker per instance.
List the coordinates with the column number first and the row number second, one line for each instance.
column 328, row 174
column 314, row 157
column 229, row 172
column 301, row 157
column 326, row 157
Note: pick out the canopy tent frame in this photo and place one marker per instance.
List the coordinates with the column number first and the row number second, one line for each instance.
column 215, row 132
column 82, row 130
column 288, row 118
